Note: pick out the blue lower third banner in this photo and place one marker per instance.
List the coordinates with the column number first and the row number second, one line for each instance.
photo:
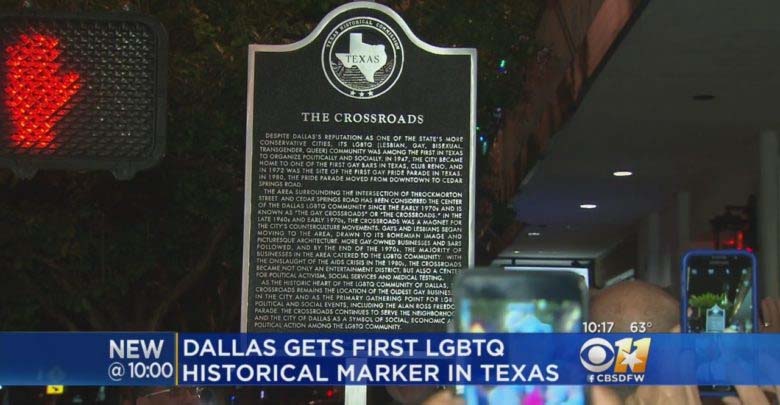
column 72, row 358
column 386, row 359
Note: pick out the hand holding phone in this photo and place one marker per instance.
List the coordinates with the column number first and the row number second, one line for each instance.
column 718, row 296
column 496, row 301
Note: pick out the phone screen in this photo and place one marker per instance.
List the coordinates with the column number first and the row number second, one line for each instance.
column 560, row 312
column 719, row 294
column 719, row 298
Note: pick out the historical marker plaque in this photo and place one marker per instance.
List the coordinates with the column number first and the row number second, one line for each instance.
column 359, row 177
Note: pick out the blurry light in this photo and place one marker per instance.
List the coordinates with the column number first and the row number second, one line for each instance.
column 329, row 393
column 588, row 206
column 534, row 234
column 502, row 66
column 262, row 394
column 482, row 138
column 517, row 252
column 622, row 173
column 710, row 271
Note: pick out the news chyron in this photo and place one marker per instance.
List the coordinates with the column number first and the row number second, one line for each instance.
column 622, row 361
column 140, row 360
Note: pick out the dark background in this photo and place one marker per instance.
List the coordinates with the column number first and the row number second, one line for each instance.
column 83, row 251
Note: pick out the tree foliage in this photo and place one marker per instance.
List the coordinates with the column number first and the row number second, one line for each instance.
column 163, row 250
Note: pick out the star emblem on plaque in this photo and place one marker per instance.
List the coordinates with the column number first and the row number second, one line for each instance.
column 362, row 57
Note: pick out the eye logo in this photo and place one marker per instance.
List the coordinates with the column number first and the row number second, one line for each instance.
column 597, row 355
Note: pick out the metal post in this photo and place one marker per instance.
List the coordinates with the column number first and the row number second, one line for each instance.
column 355, row 395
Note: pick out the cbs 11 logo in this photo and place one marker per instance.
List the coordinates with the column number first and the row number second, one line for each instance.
column 598, row 356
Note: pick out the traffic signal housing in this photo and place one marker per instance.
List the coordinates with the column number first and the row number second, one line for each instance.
column 82, row 92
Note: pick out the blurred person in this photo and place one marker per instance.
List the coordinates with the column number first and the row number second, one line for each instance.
column 638, row 301
column 747, row 395
column 445, row 397
column 410, row 394
column 600, row 395
column 635, row 301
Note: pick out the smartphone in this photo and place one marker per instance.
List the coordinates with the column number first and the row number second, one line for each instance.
column 498, row 301
column 719, row 296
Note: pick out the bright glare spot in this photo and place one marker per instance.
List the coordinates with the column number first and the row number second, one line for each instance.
column 622, row 173
column 534, row 234
column 588, row 206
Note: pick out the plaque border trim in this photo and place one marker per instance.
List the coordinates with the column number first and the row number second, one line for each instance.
column 313, row 35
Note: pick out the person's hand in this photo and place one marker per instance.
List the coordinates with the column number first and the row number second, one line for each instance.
column 445, row 397
column 748, row 395
column 665, row 394
column 604, row 396
column 770, row 308
column 773, row 391
column 648, row 395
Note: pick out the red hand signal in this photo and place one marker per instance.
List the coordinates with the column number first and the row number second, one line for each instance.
column 35, row 91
